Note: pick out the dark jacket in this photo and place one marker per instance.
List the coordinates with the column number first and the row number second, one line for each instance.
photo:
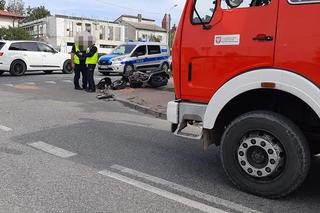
column 93, row 50
column 81, row 55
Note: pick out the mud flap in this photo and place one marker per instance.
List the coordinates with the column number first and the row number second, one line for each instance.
column 207, row 139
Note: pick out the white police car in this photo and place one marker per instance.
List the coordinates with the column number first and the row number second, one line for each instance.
column 140, row 56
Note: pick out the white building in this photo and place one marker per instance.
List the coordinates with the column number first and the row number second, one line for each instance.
column 139, row 28
column 9, row 19
column 60, row 31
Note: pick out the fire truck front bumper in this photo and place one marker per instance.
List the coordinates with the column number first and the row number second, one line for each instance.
column 180, row 113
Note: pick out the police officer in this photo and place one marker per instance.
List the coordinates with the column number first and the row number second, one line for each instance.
column 91, row 62
column 78, row 58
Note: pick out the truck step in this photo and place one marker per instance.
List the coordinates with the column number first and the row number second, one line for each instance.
column 188, row 131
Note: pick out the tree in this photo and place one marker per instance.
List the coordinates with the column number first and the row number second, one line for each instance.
column 37, row 13
column 14, row 33
column 16, row 7
column 2, row 4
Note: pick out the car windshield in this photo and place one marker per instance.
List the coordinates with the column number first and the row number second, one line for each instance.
column 123, row 49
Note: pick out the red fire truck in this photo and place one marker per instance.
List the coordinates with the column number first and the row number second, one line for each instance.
column 248, row 73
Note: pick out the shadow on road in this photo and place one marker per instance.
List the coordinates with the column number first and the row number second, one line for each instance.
column 158, row 153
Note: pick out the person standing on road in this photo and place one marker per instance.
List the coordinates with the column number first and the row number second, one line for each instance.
column 78, row 60
column 92, row 57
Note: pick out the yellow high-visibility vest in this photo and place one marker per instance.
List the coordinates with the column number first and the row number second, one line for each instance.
column 76, row 59
column 94, row 59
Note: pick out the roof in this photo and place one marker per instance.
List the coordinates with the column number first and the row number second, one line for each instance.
column 81, row 18
column 146, row 43
column 130, row 16
column 148, row 27
column 8, row 14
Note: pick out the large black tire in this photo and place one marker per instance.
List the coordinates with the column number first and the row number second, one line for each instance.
column 67, row 67
column 18, row 68
column 246, row 156
column 158, row 81
column 1, row 72
column 48, row 72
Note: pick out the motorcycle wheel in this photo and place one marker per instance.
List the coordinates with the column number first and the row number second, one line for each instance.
column 119, row 84
column 136, row 84
column 158, row 81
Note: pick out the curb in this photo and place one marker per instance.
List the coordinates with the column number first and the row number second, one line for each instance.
column 141, row 108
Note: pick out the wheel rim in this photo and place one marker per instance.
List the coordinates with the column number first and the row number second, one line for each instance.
column 260, row 155
column 18, row 68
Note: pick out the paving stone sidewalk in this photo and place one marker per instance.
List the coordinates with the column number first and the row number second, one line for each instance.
column 148, row 100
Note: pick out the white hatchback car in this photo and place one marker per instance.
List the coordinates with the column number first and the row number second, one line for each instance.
column 18, row 57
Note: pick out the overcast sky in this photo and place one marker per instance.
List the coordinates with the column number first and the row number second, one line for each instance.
column 112, row 9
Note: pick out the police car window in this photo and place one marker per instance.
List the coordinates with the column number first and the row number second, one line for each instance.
column 142, row 50
column 123, row 49
column 230, row 4
column 154, row 49
column 203, row 11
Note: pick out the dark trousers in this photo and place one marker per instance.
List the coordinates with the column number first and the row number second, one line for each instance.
column 90, row 71
column 78, row 70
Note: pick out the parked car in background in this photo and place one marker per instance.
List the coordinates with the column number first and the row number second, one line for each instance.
column 19, row 57
column 135, row 56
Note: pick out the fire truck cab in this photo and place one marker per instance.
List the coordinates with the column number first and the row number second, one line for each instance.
column 248, row 73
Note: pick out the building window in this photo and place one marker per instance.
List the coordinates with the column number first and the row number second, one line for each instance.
column 88, row 28
column 118, row 34
column 79, row 27
column 40, row 29
column 102, row 32
column 110, row 33
column 107, row 46
column 69, row 28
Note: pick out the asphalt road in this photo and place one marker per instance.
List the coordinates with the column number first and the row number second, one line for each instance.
column 63, row 150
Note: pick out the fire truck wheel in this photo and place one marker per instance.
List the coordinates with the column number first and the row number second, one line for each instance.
column 265, row 153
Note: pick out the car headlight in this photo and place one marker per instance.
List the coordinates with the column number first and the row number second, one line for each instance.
column 117, row 60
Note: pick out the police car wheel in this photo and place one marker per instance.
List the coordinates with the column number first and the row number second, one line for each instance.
column 1, row 72
column 67, row 67
column 165, row 67
column 128, row 70
column 265, row 153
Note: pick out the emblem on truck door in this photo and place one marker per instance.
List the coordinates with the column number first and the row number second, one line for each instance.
column 226, row 40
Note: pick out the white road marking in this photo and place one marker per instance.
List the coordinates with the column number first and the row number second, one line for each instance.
column 186, row 190
column 50, row 82
column 67, row 81
column 30, row 83
column 52, row 149
column 162, row 193
column 4, row 128
column 9, row 85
